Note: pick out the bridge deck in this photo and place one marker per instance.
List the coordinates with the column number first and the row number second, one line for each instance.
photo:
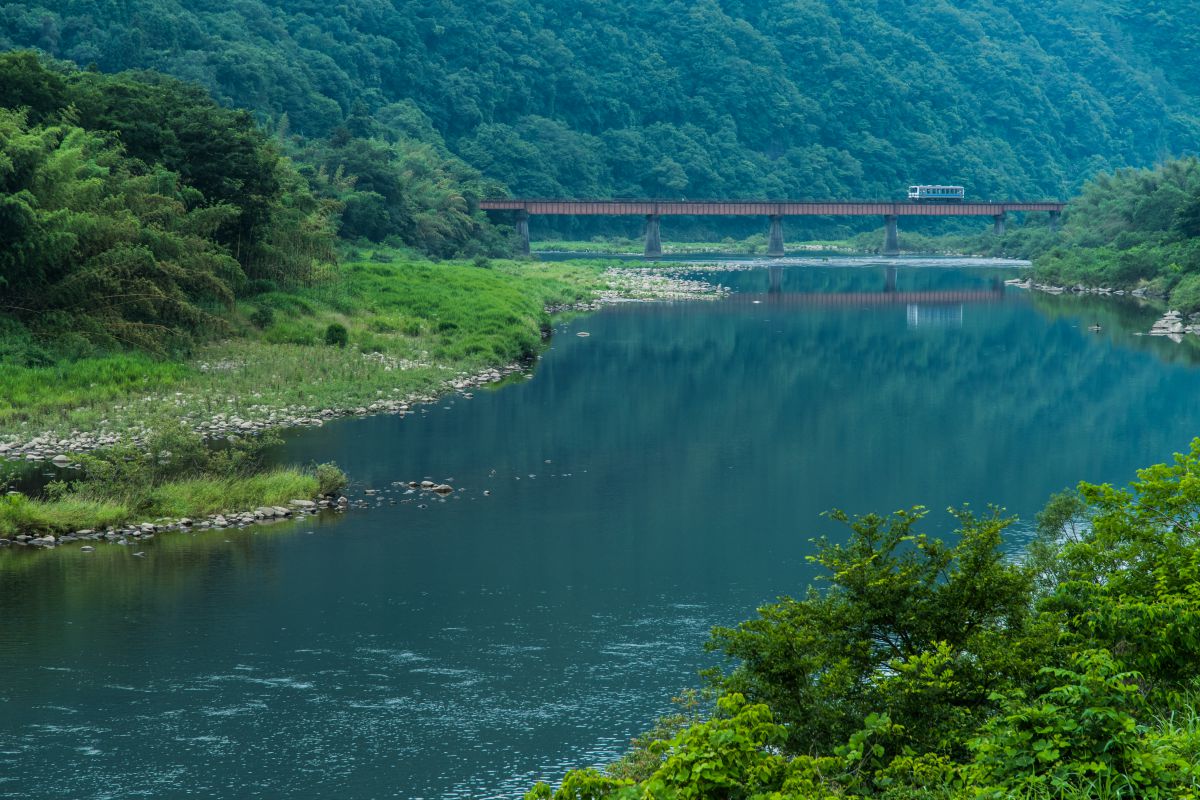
column 763, row 208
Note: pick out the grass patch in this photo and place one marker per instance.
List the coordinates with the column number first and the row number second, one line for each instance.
column 411, row 324
column 176, row 474
column 20, row 514
column 195, row 497
column 203, row 496
column 41, row 393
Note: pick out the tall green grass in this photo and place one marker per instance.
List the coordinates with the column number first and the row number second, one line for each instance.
column 203, row 496
column 431, row 320
column 38, row 393
column 195, row 497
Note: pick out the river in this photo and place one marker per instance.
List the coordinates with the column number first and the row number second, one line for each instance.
column 661, row 475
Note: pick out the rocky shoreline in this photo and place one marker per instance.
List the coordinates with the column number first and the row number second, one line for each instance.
column 132, row 534
column 620, row 285
column 144, row 531
column 1170, row 325
column 1028, row 283
column 56, row 450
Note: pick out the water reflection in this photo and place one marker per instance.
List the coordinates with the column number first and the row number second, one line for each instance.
column 933, row 316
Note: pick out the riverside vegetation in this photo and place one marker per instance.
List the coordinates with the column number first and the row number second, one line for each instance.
column 175, row 475
column 161, row 251
column 160, row 256
column 925, row 669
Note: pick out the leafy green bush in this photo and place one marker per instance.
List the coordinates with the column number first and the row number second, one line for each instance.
column 262, row 317
column 1186, row 294
column 330, row 479
column 911, row 626
column 336, row 335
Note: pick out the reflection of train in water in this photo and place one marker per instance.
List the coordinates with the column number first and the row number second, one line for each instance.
column 936, row 194
column 931, row 316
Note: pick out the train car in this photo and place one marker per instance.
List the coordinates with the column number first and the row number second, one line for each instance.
column 936, row 194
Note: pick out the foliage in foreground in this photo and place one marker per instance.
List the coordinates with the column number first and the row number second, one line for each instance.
column 176, row 474
column 944, row 671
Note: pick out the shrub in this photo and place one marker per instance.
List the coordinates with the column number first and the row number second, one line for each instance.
column 336, row 335
column 1186, row 294
column 330, row 479
column 262, row 317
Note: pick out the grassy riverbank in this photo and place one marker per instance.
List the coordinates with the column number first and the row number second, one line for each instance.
column 90, row 508
column 410, row 325
column 174, row 474
column 387, row 330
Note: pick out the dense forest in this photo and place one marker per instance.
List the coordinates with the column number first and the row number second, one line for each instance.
column 132, row 206
column 736, row 98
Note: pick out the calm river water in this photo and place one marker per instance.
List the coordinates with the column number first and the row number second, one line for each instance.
column 657, row 477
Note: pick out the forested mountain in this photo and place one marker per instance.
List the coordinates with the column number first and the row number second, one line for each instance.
column 716, row 98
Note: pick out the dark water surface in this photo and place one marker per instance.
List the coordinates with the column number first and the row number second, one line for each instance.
column 660, row 476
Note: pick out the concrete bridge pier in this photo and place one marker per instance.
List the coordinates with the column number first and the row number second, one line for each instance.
column 998, row 224
column 891, row 238
column 523, row 233
column 1055, row 217
column 653, row 238
column 775, row 242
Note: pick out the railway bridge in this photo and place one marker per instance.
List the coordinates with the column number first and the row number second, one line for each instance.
column 775, row 211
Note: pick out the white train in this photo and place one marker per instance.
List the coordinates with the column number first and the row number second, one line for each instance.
column 933, row 194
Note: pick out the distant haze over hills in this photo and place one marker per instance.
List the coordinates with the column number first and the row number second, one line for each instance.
column 797, row 99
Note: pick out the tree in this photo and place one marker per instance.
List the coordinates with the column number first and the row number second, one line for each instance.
column 909, row 626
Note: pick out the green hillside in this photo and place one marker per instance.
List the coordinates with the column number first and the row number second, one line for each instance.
column 707, row 99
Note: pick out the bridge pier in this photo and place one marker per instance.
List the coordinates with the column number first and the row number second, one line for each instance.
column 523, row 232
column 775, row 279
column 998, row 224
column 653, row 237
column 775, row 242
column 1054, row 220
column 889, row 280
column 891, row 238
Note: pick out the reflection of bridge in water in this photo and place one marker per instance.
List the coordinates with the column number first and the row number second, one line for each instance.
column 888, row 296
